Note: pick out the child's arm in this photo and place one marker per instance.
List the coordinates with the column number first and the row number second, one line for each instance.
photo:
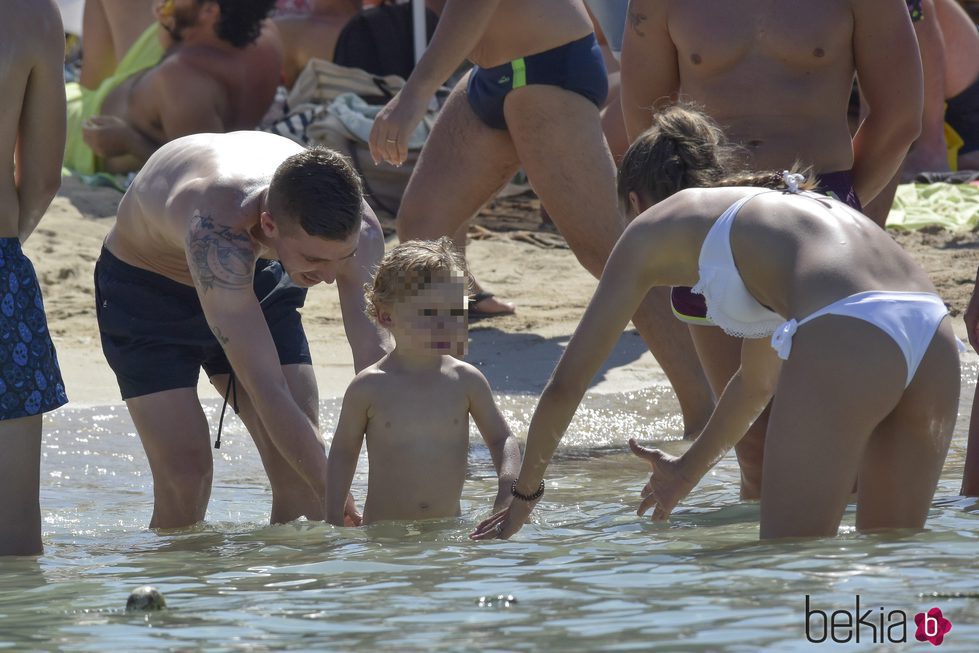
column 743, row 400
column 345, row 449
column 503, row 446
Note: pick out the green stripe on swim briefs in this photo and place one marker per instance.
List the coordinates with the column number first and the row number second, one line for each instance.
column 692, row 319
column 519, row 72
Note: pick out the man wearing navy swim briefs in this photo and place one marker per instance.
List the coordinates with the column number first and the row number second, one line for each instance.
column 215, row 243
column 531, row 101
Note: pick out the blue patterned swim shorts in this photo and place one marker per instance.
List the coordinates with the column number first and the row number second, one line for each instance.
column 30, row 381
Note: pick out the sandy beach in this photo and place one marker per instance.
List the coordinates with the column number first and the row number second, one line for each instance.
column 511, row 255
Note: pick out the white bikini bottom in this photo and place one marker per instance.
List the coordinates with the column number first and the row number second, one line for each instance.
column 910, row 318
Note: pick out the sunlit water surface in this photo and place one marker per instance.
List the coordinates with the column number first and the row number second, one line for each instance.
column 587, row 574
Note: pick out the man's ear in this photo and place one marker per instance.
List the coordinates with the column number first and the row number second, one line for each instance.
column 384, row 318
column 270, row 228
column 210, row 11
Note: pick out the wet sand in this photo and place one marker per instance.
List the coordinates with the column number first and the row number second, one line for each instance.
column 509, row 251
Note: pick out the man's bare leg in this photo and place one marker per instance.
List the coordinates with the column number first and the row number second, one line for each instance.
column 928, row 154
column 100, row 56
column 462, row 166
column 613, row 125
column 291, row 495
column 20, row 476
column 575, row 179
column 110, row 27
column 176, row 438
column 970, row 479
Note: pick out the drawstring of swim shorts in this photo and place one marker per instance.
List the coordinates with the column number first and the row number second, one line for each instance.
column 232, row 390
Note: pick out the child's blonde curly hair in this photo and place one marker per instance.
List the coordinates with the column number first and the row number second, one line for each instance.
column 410, row 267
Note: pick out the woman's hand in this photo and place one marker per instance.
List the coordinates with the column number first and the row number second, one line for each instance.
column 505, row 523
column 667, row 483
column 351, row 516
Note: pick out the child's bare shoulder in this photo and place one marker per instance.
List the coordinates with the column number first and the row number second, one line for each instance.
column 368, row 379
column 466, row 373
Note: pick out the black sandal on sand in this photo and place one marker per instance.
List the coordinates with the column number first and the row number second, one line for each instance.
column 476, row 314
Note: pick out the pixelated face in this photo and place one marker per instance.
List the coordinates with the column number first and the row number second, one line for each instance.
column 433, row 318
column 309, row 260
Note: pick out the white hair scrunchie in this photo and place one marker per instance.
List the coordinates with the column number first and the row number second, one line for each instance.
column 792, row 180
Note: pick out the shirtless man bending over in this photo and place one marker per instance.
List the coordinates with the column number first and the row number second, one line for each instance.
column 533, row 102
column 196, row 273
column 219, row 75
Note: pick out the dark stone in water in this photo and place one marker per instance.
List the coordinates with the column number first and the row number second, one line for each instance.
column 145, row 598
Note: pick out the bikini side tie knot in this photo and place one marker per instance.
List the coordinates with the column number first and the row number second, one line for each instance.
column 782, row 338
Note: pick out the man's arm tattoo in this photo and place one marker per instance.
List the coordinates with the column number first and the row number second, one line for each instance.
column 223, row 339
column 635, row 20
column 219, row 256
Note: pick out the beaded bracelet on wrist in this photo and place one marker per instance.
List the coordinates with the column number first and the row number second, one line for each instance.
column 527, row 497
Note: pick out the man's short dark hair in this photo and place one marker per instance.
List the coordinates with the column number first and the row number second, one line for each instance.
column 241, row 20
column 320, row 191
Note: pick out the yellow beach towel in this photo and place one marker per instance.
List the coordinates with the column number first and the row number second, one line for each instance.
column 84, row 103
column 952, row 206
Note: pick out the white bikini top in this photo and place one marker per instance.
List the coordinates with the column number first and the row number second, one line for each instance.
column 729, row 304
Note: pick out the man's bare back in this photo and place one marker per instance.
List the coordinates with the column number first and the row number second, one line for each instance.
column 233, row 89
column 312, row 36
column 203, row 84
column 155, row 216
column 29, row 73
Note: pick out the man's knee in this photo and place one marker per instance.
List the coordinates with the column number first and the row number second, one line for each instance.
column 185, row 478
column 592, row 253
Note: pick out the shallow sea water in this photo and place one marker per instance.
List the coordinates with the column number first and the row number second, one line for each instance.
column 587, row 574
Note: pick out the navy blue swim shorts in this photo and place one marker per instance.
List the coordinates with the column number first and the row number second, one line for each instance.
column 962, row 115
column 155, row 336
column 576, row 66
column 30, row 380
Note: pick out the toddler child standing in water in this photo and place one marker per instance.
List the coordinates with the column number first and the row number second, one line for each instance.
column 413, row 405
